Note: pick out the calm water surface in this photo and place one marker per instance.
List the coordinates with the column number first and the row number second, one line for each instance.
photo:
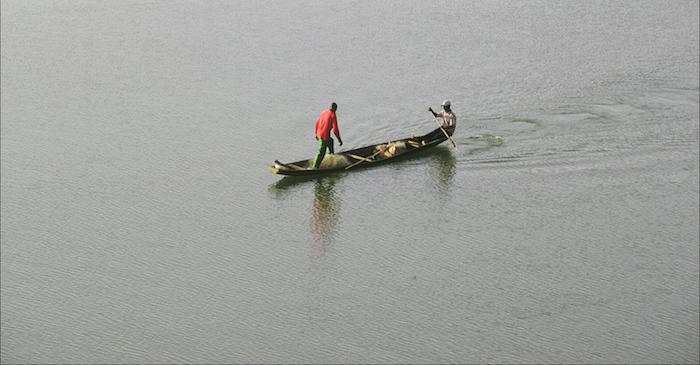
column 140, row 224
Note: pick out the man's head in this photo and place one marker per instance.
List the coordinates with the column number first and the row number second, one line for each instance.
column 334, row 106
column 446, row 104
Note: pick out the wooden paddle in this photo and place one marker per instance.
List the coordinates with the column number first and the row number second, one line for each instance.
column 359, row 157
column 443, row 129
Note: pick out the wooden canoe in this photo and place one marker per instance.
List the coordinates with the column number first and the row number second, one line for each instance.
column 362, row 157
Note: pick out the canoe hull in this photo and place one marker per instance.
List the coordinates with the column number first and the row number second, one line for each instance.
column 362, row 157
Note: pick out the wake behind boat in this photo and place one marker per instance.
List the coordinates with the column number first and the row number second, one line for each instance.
column 364, row 156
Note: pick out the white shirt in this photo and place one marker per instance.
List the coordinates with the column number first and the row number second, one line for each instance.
column 449, row 119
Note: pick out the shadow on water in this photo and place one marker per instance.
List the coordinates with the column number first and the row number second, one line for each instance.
column 325, row 207
column 444, row 168
column 324, row 213
column 441, row 172
column 289, row 184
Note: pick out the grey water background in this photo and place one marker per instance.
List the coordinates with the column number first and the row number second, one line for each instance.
column 140, row 223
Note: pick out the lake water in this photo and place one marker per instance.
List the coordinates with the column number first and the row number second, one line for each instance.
column 140, row 223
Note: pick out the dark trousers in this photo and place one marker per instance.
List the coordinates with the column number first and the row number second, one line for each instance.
column 322, row 146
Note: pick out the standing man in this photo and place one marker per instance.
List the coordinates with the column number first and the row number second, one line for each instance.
column 325, row 122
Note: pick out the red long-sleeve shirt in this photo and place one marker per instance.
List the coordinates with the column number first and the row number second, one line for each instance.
column 325, row 122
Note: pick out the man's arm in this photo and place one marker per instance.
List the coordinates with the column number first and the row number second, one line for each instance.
column 430, row 109
column 336, row 131
column 316, row 128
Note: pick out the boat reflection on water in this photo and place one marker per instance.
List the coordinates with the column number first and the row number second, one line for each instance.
column 324, row 214
column 441, row 170
column 287, row 184
column 445, row 166
column 325, row 208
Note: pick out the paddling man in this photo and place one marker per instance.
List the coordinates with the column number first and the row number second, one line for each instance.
column 449, row 119
column 325, row 122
